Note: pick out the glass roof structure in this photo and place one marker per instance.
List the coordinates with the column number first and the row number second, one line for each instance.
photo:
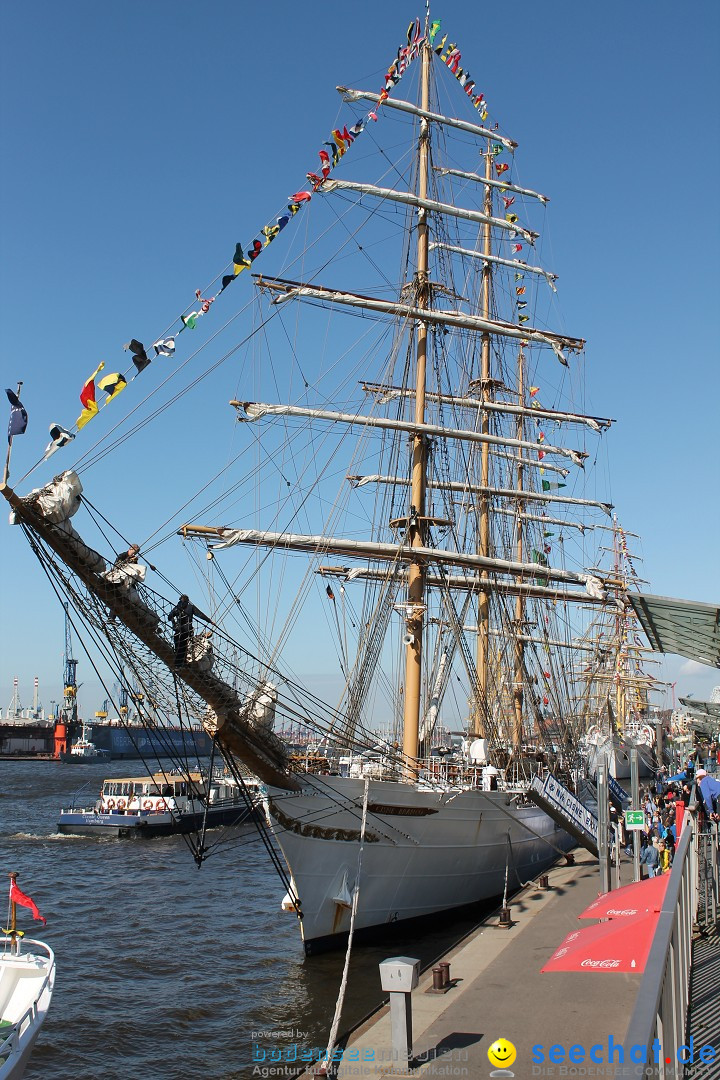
column 709, row 709
column 685, row 627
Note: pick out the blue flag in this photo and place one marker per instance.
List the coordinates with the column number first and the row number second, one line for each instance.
column 18, row 416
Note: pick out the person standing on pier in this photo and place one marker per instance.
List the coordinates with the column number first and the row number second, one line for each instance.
column 649, row 857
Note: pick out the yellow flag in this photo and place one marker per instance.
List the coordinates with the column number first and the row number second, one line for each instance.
column 113, row 385
column 87, row 398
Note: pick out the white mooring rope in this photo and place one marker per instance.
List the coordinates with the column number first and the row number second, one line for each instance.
column 327, row 1063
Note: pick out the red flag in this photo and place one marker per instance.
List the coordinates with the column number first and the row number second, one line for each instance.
column 87, row 398
column 17, row 897
column 501, row 168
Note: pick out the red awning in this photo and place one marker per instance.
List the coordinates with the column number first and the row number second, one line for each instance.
column 621, row 945
column 634, row 899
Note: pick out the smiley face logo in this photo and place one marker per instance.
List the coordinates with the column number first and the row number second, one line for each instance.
column 502, row 1053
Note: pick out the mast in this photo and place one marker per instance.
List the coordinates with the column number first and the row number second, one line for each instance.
column 517, row 734
column 416, row 526
column 483, row 638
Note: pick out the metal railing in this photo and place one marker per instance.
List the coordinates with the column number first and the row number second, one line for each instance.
column 659, row 1020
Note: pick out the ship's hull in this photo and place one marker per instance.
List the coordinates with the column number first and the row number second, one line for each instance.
column 425, row 852
column 69, row 758
column 89, row 823
column 141, row 742
column 615, row 750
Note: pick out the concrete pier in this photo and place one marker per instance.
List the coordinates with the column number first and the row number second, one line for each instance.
column 498, row 992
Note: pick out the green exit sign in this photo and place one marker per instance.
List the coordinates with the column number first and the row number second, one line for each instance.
column 634, row 819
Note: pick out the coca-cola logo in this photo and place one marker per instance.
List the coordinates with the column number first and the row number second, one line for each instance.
column 623, row 911
column 600, row 963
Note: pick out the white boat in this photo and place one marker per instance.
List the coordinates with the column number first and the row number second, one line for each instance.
column 163, row 804
column 83, row 751
column 27, row 977
column 464, row 580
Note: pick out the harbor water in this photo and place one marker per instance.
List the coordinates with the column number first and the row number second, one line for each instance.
column 165, row 970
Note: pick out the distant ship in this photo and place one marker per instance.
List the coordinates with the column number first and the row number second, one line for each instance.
column 134, row 740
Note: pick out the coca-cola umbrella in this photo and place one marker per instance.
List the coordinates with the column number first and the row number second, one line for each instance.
column 633, row 899
column 620, row 945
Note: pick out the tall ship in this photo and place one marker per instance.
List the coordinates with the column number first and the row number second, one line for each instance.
column 411, row 493
column 616, row 684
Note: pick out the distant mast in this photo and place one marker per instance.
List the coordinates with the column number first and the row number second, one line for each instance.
column 415, row 532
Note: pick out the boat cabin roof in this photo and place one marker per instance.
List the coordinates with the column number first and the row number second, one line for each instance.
column 159, row 778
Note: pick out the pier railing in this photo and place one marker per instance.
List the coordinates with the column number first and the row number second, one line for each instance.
column 659, row 1020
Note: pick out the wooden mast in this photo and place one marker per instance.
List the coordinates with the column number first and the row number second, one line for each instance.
column 517, row 733
column 483, row 637
column 416, row 525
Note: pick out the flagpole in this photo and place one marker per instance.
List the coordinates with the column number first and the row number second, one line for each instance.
column 13, row 916
column 6, row 473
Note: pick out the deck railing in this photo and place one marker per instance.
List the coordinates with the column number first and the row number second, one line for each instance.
column 659, row 1020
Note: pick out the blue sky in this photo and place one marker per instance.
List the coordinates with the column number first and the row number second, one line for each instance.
column 141, row 141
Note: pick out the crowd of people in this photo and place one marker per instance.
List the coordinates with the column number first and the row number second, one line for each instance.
column 660, row 804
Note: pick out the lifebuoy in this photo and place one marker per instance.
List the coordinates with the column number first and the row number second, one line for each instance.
column 111, row 804
column 161, row 805
column 121, row 804
column 147, row 804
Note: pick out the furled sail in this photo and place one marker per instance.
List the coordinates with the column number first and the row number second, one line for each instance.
column 230, row 718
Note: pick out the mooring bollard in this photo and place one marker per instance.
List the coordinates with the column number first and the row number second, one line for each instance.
column 400, row 975
column 505, row 920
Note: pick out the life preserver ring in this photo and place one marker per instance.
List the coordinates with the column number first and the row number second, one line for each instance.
column 161, row 805
column 147, row 804
column 111, row 804
column 122, row 803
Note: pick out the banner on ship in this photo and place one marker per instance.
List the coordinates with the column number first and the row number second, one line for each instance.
column 560, row 803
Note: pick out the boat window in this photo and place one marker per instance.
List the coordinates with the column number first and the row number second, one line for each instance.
column 139, row 789
column 167, row 789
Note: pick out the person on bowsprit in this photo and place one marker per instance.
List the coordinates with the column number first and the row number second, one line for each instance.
column 129, row 556
column 181, row 617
